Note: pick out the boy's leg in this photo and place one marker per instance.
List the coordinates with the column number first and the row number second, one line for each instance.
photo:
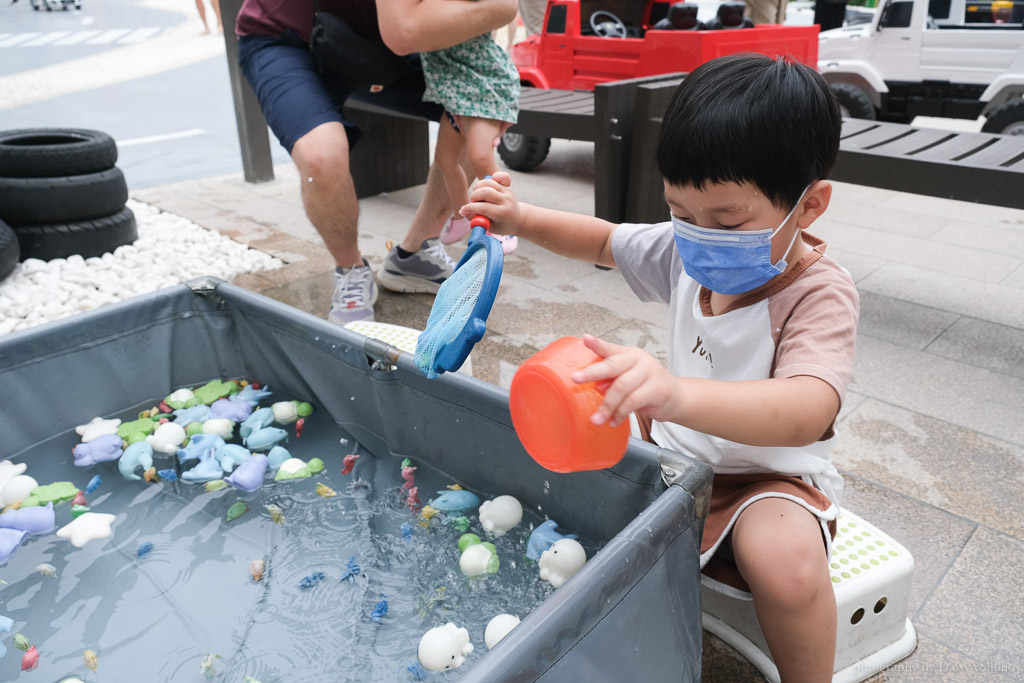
column 202, row 16
column 480, row 136
column 779, row 551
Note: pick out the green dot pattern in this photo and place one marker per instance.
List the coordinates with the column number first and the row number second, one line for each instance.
column 857, row 551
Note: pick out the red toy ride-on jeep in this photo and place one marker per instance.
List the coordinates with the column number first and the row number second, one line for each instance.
column 585, row 42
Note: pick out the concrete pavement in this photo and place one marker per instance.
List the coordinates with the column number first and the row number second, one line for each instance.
column 931, row 436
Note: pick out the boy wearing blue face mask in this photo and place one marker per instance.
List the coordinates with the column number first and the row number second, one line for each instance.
column 762, row 330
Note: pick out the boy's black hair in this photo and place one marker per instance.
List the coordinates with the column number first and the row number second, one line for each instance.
column 750, row 118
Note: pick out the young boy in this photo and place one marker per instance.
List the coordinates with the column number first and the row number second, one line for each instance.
column 762, row 329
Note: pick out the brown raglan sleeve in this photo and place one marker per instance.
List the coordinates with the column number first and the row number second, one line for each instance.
column 816, row 323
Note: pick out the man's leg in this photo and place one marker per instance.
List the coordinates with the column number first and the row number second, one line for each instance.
column 328, row 193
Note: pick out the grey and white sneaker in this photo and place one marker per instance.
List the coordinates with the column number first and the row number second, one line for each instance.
column 354, row 294
column 422, row 271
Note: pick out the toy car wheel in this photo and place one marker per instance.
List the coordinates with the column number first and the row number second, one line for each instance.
column 523, row 152
column 854, row 103
column 9, row 250
column 1006, row 119
column 55, row 152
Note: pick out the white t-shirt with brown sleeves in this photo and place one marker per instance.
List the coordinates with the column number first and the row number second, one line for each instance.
column 804, row 323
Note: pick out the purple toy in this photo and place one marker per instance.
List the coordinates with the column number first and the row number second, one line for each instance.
column 100, row 449
column 236, row 411
column 10, row 539
column 199, row 445
column 249, row 475
column 35, row 520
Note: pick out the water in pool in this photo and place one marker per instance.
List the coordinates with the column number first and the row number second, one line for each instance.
column 153, row 617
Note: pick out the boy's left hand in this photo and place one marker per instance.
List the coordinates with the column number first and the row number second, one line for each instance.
column 638, row 383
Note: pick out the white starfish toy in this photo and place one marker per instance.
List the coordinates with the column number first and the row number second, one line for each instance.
column 97, row 427
column 87, row 527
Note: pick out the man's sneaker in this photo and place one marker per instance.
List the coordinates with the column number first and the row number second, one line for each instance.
column 455, row 229
column 354, row 294
column 421, row 271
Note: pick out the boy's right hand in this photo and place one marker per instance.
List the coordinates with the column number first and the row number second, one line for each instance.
column 493, row 197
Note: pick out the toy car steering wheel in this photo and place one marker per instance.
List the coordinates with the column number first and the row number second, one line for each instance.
column 607, row 29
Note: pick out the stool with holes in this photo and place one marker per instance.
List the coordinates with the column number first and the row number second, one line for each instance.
column 403, row 338
column 871, row 575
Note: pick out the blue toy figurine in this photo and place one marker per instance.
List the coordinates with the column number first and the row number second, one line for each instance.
column 258, row 420
column 169, row 475
column 144, row 548
column 380, row 609
column 542, row 538
column 455, row 501
column 312, row 580
column 198, row 446
column 207, row 470
column 250, row 395
column 262, row 439
column 139, row 454
column 93, row 484
column 352, row 569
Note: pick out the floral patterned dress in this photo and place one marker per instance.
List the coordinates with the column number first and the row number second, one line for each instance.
column 474, row 78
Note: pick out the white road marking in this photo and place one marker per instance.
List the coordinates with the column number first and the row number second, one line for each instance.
column 18, row 38
column 139, row 35
column 46, row 38
column 108, row 37
column 76, row 38
column 192, row 132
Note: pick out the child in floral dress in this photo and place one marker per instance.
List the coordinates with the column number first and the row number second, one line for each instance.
column 478, row 85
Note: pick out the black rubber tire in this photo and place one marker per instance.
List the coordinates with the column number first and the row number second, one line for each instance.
column 523, row 152
column 1006, row 119
column 854, row 100
column 10, row 251
column 55, row 152
column 39, row 201
column 87, row 238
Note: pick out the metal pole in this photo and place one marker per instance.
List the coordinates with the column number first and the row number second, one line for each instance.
column 252, row 127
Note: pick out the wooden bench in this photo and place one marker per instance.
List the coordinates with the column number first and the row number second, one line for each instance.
column 973, row 167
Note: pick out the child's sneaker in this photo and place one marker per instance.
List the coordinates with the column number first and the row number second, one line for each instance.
column 455, row 229
column 421, row 271
column 355, row 292
column 508, row 242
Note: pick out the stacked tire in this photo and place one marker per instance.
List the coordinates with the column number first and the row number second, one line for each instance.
column 61, row 194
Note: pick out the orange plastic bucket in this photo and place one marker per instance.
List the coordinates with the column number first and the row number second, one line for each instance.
column 551, row 413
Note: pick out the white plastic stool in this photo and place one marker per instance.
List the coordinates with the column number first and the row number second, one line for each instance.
column 871, row 575
column 403, row 338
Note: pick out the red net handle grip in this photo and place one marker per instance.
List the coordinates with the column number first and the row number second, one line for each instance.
column 479, row 221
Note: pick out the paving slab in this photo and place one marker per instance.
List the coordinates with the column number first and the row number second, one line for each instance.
column 901, row 322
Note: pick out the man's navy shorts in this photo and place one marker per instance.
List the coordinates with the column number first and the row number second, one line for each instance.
column 295, row 99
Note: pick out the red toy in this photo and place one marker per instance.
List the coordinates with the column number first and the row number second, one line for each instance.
column 413, row 501
column 30, row 659
column 298, row 427
column 408, row 473
column 349, row 461
column 568, row 54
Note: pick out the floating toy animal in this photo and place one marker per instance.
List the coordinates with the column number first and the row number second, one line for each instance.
column 198, row 445
column 93, row 484
column 542, row 538
column 182, row 398
column 500, row 514
column 276, row 456
column 409, row 474
column 231, row 455
column 136, row 430
column 257, row 420
column 262, row 439
column 413, row 501
column 380, row 609
column 236, row 411
column 256, row 569
column 455, row 501
column 285, row 412
column 221, row 427
column 312, row 580
column 6, row 624
column 30, row 659
column 35, row 520
column 186, row 416
column 444, row 647
column 251, row 395
column 292, row 468
column 348, row 462
column 17, row 489
column 207, row 469
column 236, row 510
column 87, row 527
column 249, row 475
column 351, row 570
column 167, row 438
column 144, row 548
column 101, row 449
column 498, row 627
column 96, row 428
column 559, row 562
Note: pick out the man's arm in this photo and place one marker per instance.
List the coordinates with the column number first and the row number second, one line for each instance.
column 422, row 25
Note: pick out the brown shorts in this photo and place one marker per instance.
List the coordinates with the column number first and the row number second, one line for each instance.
column 730, row 494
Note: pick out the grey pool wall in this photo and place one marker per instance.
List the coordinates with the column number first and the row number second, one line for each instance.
column 632, row 613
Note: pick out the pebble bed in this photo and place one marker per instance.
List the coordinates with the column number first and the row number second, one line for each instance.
column 169, row 250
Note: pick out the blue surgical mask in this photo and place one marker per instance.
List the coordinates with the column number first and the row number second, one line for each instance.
column 730, row 261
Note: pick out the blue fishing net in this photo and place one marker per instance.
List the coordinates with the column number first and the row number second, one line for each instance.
column 458, row 317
